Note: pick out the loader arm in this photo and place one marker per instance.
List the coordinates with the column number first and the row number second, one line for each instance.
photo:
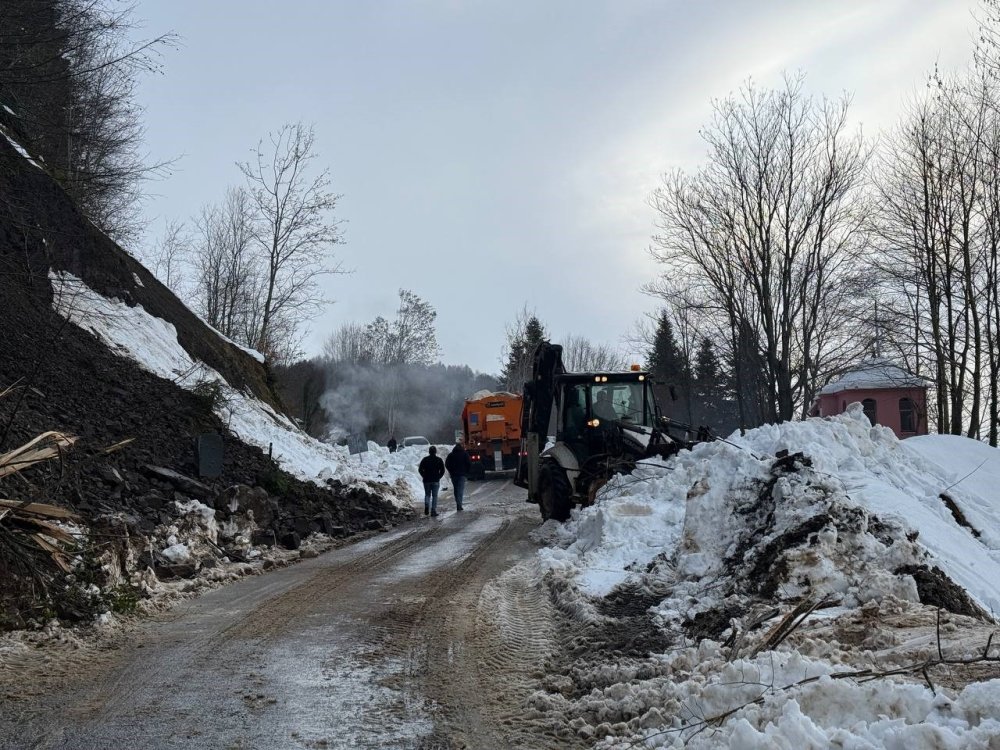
column 539, row 398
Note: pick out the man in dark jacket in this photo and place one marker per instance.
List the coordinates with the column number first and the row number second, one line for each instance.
column 458, row 466
column 431, row 470
column 391, row 445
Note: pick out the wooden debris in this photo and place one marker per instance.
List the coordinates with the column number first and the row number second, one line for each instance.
column 46, row 446
column 38, row 509
column 37, row 524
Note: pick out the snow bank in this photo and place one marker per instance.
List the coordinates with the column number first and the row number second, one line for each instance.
column 152, row 343
column 681, row 573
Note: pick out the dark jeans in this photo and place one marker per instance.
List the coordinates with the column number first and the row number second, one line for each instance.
column 431, row 496
column 459, row 484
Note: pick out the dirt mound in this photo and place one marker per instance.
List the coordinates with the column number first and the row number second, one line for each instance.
column 61, row 377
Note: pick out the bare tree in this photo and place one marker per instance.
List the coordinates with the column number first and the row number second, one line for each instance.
column 348, row 343
column 295, row 229
column 409, row 339
column 939, row 231
column 384, row 352
column 229, row 273
column 582, row 355
column 762, row 237
column 169, row 255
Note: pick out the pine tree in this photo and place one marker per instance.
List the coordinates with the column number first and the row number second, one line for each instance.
column 664, row 359
column 521, row 344
column 708, row 377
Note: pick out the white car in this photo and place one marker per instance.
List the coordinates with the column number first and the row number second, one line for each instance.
column 415, row 440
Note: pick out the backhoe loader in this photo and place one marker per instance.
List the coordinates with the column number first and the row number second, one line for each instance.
column 600, row 424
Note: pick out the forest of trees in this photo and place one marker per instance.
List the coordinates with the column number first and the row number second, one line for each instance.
column 798, row 244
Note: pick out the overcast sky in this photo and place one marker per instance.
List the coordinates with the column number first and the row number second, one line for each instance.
column 496, row 154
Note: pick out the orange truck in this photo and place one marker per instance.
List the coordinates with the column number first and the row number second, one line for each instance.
column 491, row 424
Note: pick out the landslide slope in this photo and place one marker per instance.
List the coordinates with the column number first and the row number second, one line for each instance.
column 59, row 376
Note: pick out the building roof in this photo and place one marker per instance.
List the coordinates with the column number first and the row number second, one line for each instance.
column 872, row 374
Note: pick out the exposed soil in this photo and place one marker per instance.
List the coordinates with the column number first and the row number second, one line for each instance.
column 958, row 515
column 937, row 590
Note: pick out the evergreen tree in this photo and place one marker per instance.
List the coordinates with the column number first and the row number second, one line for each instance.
column 709, row 380
column 664, row 359
column 522, row 340
column 670, row 371
column 709, row 386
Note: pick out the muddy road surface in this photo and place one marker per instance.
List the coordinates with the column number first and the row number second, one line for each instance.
column 404, row 640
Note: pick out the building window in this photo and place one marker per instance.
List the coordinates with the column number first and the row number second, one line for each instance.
column 868, row 405
column 907, row 415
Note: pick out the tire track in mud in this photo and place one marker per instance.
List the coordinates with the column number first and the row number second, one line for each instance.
column 116, row 679
column 245, row 639
column 476, row 646
column 517, row 638
column 271, row 616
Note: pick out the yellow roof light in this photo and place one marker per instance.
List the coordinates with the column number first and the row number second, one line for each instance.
column 635, row 367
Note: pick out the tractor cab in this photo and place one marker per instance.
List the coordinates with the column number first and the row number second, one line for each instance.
column 591, row 404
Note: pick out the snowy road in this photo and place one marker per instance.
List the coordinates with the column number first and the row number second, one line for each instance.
column 378, row 644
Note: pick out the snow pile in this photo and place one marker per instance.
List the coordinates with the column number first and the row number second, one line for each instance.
column 152, row 342
column 754, row 593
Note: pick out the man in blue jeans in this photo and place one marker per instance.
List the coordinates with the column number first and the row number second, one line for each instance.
column 458, row 465
column 431, row 470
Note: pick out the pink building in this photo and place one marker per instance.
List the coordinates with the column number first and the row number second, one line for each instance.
column 890, row 395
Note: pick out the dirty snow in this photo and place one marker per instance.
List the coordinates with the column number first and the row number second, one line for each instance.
column 245, row 349
column 718, row 544
column 152, row 342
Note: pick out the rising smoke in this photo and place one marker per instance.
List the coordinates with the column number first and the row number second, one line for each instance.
column 400, row 400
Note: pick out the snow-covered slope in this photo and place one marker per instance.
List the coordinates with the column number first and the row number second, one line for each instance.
column 132, row 332
column 711, row 550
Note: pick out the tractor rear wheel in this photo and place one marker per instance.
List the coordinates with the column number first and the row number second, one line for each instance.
column 555, row 494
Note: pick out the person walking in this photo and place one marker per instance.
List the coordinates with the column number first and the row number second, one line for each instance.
column 458, row 465
column 431, row 470
column 391, row 445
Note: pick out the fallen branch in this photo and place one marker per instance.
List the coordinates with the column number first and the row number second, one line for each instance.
column 787, row 625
